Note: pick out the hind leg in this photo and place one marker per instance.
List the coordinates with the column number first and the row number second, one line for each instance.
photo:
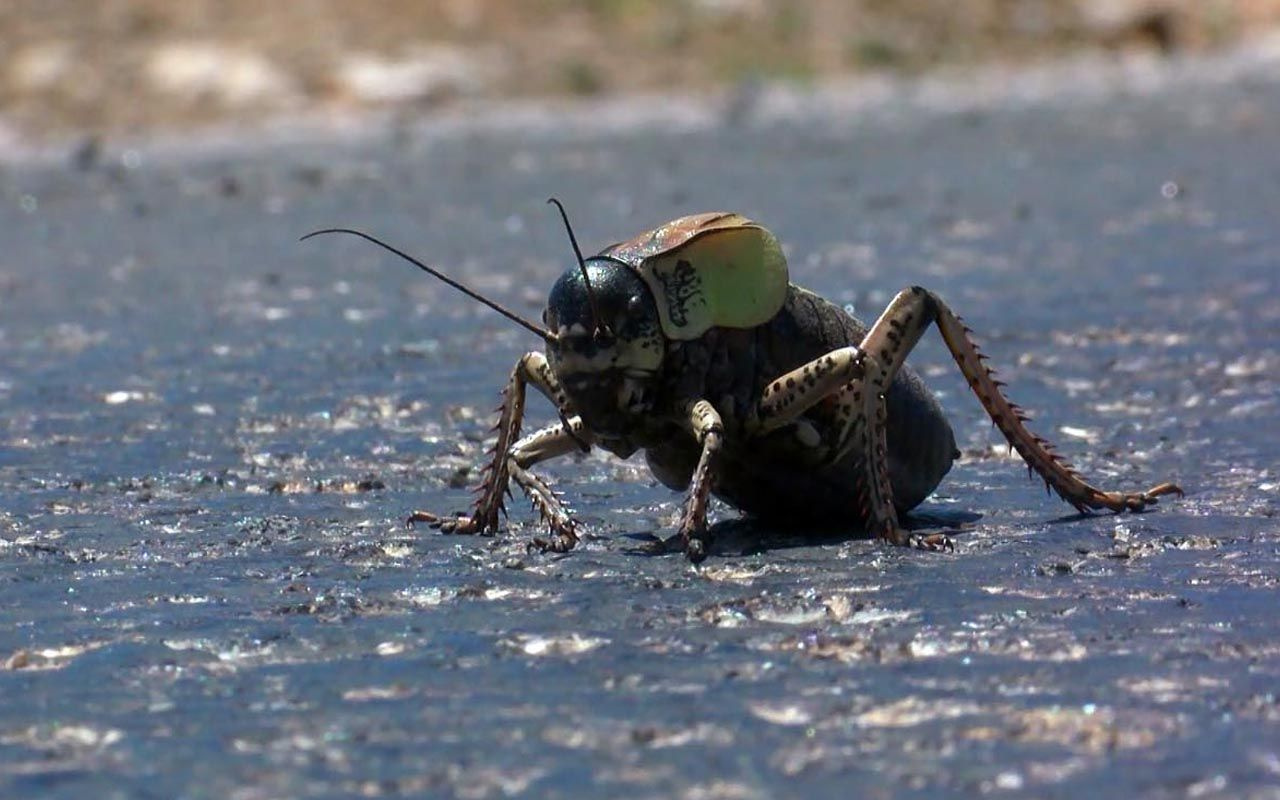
column 858, row 377
column 900, row 328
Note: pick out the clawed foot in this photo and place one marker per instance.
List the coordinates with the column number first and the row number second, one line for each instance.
column 562, row 539
column 563, row 536
column 1119, row 501
column 461, row 525
column 692, row 534
column 694, row 546
column 694, row 540
column 933, row 542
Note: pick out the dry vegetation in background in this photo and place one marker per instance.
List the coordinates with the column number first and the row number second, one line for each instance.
column 112, row 66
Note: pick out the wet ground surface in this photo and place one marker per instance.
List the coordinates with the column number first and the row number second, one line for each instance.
column 210, row 434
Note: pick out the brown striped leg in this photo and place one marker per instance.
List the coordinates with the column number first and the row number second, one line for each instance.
column 550, row 442
column 900, row 328
column 532, row 368
column 704, row 422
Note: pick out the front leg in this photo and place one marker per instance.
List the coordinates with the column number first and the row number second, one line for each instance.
column 555, row 440
column 703, row 421
column 532, row 368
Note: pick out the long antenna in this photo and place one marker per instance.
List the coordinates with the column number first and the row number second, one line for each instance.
column 511, row 315
column 582, row 264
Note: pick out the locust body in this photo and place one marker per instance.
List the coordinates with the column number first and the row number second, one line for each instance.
column 793, row 473
column 690, row 344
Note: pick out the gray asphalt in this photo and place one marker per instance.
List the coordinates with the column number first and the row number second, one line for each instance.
column 210, row 433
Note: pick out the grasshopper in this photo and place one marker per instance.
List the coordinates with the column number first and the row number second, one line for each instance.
column 689, row 343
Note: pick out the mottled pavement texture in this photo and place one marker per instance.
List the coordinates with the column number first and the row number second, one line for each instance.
column 210, row 433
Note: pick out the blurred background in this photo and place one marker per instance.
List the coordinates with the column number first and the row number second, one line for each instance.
column 112, row 67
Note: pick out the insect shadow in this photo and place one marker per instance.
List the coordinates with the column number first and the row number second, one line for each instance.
column 746, row 536
column 1077, row 517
